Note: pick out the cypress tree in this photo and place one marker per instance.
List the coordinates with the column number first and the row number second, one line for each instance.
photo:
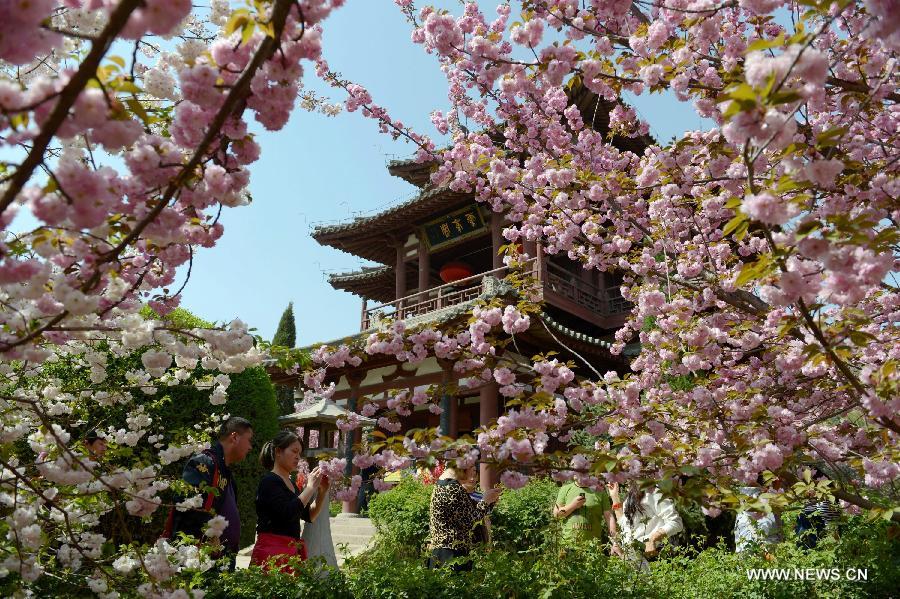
column 286, row 336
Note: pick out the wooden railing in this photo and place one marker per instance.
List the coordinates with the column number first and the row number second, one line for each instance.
column 437, row 298
column 569, row 285
column 616, row 304
column 606, row 302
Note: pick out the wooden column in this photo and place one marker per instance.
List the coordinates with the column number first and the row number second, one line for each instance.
column 446, row 400
column 489, row 409
column 354, row 379
column 541, row 263
column 362, row 317
column 424, row 269
column 400, row 274
column 454, row 416
column 496, row 239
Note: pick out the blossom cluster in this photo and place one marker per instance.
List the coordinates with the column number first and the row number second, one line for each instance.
column 124, row 164
column 758, row 255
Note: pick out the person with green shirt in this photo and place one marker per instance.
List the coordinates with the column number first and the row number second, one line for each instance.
column 586, row 514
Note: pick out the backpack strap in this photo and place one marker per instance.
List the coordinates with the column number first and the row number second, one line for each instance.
column 170, row 524
column 211, row 496
column 208, row 501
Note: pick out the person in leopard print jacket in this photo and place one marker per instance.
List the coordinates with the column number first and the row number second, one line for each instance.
column 453, row 518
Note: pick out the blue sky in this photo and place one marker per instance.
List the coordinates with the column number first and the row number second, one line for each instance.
column 322, row 168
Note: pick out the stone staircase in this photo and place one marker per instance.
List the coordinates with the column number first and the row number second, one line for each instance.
column 351, row 536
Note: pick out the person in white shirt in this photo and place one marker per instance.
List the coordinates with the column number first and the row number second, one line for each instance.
column 755, row 529
column 644, row 516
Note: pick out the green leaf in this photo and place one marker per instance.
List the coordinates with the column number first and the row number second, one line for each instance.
column 753, row 270
column 733, row 224
column 861, row 338
column 830, row 137
column 247, row 32
column 138, row 109
column 128, row 86
column 237, row 20
column 743, row 92
column 766, row 44
column 784, row 97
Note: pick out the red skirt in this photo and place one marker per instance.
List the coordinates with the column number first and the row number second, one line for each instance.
column 280, row 547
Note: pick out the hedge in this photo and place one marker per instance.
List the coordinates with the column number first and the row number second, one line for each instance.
column 586, row 571
column 400, row 516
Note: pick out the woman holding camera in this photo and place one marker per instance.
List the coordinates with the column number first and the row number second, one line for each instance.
column 281, row 503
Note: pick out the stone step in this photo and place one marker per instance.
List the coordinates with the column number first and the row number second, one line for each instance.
column 362, row 540
column 363, row 525
column 352, row 523
column 353, row 531
column 352, row 534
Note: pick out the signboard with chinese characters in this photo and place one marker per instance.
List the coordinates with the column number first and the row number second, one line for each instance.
column 451, row 228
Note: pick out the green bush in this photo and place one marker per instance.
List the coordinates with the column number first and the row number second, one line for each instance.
column 520, row 520
column 309, row 580
column 587, row 571
column 401, row 515
column 523, row 517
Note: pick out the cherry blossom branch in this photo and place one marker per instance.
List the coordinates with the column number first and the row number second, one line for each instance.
column 87, row 70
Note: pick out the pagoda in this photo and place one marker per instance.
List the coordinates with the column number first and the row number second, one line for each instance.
column 438, row 254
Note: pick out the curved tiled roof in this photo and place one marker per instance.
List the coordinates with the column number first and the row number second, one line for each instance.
column 417, row 173
column 370, row 282
column 569, row 332
column 370, row 236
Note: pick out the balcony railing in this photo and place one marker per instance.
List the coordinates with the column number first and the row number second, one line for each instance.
column 607, row 302
column 437, row 298
column 603, row 302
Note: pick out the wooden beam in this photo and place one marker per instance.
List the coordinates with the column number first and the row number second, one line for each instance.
column 399, row 383
column 496, row 239
column 400, row 274
column 424, row 268
column 488, row 410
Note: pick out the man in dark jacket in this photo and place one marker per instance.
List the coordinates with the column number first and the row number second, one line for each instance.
column 209, row 472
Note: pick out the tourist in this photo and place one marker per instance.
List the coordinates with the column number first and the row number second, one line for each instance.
column 211, row 468
column 817, row 515
column 366, row 489
column 756, row 529
column 453, row 516
column 95, row 445
column 482, row 532
column 645, row 519
column 280, row 503
column 814, row 521
column 586, row 514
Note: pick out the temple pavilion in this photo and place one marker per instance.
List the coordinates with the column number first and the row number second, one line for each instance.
column 433, row 257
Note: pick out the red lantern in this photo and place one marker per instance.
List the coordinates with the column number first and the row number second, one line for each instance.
column 454, row 271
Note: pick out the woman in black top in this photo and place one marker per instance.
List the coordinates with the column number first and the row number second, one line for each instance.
column 281, row 505
column 453, row 517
